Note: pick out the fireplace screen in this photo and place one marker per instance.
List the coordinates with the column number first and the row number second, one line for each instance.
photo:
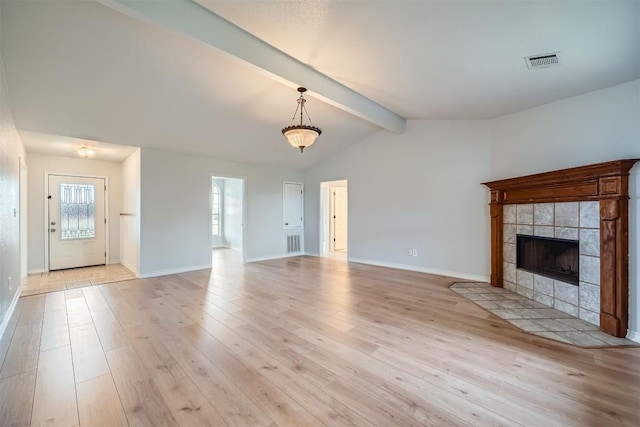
column 553, row 258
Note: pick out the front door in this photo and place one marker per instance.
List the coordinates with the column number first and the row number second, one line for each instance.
column 76, row 222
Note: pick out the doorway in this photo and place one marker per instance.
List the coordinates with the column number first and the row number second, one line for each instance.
column 76, row 229
column 227, row 218
column 334, row 230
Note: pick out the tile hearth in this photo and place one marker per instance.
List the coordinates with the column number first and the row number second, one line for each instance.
column 535, row 318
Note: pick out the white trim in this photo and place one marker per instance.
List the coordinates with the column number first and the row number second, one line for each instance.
column 284, row 206
column 243, row 180
column 268, row 258
column 168, row 271
column 107, row 243
column 36, row 271
column 9, row 313
column 114, row 261
column 130, row 268
column 324, row 232
column 634, row 336
column 447, row 273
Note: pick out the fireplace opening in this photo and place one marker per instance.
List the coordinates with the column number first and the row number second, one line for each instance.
column 553, row 258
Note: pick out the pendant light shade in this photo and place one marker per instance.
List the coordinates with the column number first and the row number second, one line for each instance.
column 301, row 136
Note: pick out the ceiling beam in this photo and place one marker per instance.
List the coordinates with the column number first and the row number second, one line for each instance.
column 188, row 17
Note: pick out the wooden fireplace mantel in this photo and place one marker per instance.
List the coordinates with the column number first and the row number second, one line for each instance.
column 607, row 183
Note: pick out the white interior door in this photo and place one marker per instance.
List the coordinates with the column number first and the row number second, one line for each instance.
column 293, row 205
column 339, row 216
column 76, row 222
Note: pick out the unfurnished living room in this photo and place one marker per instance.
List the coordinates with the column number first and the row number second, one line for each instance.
column 320, row 212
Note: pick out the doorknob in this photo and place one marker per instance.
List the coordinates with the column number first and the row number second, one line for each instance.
column 286, row 223
column 53, row 230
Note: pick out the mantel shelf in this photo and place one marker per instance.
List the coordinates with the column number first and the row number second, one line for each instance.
column 607, row 183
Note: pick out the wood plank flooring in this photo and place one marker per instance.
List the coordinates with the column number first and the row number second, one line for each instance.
column 297, row 342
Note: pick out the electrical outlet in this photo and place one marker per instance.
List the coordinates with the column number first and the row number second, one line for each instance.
column 9, row 283
column 414, row 252
column 410, row 253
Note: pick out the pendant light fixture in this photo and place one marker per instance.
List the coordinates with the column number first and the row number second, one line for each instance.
column 301, row 136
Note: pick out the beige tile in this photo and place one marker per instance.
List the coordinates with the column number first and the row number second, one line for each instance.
column 543, row 231
column 524, row 214
column 609, row 339
column 509, row 214
column 566, row 233
column 590, row 269
column 527, row 325
column 590, row 214
column 579, row 325
column 504, row 313
column 554, row 325
column 567, row 214
column 553, row 336
column 589, row 316
column 543, row 213
column 582, row 339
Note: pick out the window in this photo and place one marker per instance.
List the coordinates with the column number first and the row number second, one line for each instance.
column 215, row 209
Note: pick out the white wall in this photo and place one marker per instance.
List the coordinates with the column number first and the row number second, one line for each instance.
column 232, row 220
column 592, row 128
column 130, row 222
column 175, row 210
column 37, row 165
column 417, row 190
column 11, row 150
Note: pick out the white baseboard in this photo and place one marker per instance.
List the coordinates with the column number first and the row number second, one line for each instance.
column 130, row 268
column 267, row 258
column 9, row 313
column 454, row 274
column 36, row 271
column 634, row 336
column 114, row 261
column 168, row 271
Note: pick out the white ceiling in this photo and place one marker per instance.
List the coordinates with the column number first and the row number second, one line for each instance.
column 84, row 70
column 70, row 147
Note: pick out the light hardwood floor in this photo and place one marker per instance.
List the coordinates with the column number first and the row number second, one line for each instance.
column 297, row 342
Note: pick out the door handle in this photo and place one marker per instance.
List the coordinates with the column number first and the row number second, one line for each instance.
column 286, row 223
column 53, row 230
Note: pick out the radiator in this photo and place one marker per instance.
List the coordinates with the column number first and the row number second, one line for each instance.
column 293, row 243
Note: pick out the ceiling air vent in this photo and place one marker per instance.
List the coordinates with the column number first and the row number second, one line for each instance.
column 542, row 61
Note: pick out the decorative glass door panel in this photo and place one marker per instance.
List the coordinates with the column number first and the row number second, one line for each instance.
column 77, row 211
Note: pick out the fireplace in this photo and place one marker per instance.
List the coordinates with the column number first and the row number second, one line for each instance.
column 546, row 205
column 550, row 257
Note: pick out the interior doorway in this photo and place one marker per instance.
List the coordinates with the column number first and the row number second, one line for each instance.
column 227, row 203
column 334, row 214
column 23, row 218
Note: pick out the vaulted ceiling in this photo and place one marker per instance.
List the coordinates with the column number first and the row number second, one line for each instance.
column 114, row 72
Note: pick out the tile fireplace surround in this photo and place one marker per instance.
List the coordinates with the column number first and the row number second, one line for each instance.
column 570, row 220
column 588, row 204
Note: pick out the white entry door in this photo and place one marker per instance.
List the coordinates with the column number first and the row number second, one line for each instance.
column 339, row 218
column 76, row 222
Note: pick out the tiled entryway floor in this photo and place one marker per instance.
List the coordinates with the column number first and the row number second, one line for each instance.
column 535, row 318
column 61, row 280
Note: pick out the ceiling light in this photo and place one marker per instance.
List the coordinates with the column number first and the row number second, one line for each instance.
column 301, row 136
column 86, row 151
